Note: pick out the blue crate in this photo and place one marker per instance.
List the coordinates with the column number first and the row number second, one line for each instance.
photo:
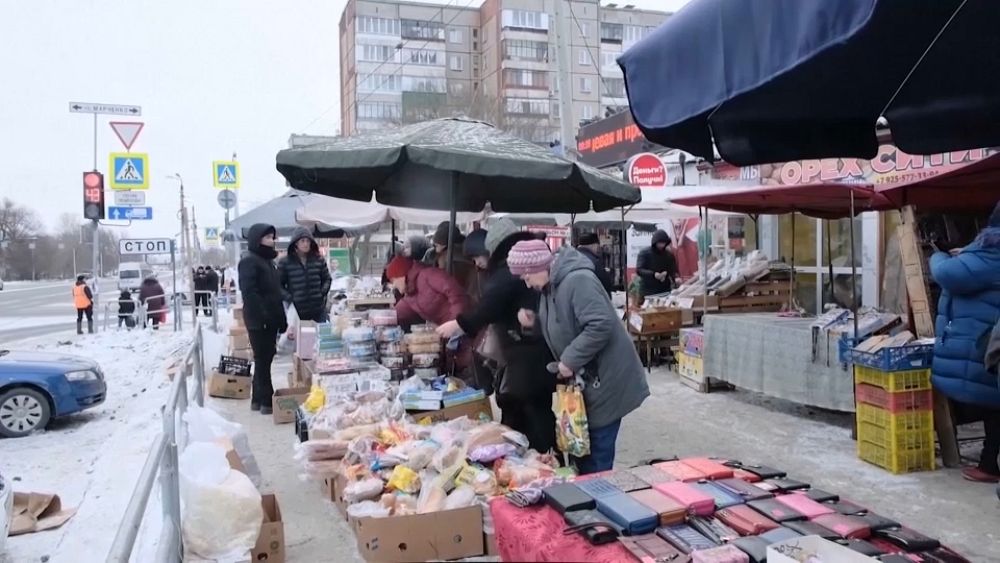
column 845, row 349
column 901, row 358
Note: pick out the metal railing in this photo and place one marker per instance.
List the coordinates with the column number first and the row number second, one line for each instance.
column 213, row 306
column 162, row 461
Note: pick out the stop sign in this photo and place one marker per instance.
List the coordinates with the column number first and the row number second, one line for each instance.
column 646, row 170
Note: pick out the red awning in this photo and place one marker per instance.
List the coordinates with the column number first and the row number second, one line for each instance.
column 973, row 188
column 825, row 201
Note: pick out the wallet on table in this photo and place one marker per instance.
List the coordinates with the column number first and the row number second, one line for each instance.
column 625, row 481
column 651, row 475
column 669, row 510
column 696, row 502
column 597, row 487
column 650, row 548
column 745, row 520
column 711, row 468
column 567, row 497
column 745, row 475
column 681, row 471
column 943, row 555
column 721, row 554
column 592, row 525
column 862, row 547
column 685, row 538
column 847, row 508
column 775, row 510
column 847, row 527
column 722, row 497
column 804, row 505
column 754, row 546
column 819, row 495
column 876, row 522
column 762, row 471
column 783, row 485
column 633, row 516
column 907, row 539
column 807, row 528
column 713, row 529
column 743, row 489
column 780, row 534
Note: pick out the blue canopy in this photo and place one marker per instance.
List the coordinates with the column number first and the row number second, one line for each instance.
column 779, row 80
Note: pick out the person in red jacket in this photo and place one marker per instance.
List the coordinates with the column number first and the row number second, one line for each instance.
column 429, row 293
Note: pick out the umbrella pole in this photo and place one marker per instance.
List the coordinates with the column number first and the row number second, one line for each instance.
column 791, row 278
column 624, row 255
column 452, row 212
column 392, row 238
column 704, row 262
column 829, row 255
column 854, row 275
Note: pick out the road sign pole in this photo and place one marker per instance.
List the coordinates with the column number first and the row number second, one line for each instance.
column 95, row 260
column 95, row 142
column 174, row 301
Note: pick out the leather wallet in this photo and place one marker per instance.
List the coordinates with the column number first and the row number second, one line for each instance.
column 804, row 505
column 876, row 523
column 895, row 558
column 762, row 471
column 743, row 489
column 722, row 497
column 943, row 555
column 775, row 510
column 651, row 475
column 711, row 468
column 754, row 546
column 592, row 525
column 807, row 528
column 625, row 481
column 685, row 538
column 847, row 527
column 780, row 534
column 862, row 547
column 745, row 520
column 745, row 475
column 567, row 497
column 713, row 529
column 721, row 554
column 650, row 548
column 634, row 517
column 907, row 539
column 847, row 508
column 669, row 510
column 681, row 471
column 784, row 485
column 885, row 546
column 819, row 495
column 696, row 502
column 597, row 488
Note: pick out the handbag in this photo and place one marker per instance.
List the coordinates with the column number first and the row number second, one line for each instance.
column 721, row 554
column 709, row 467
column 650, row 548
column 490, row 346
column 592, row 525
column 775, row 510
column 681, row 471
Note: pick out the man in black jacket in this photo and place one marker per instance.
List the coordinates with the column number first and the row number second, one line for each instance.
column 657, row 266
column 590, row 246
column 263, row 312
column 305, row 277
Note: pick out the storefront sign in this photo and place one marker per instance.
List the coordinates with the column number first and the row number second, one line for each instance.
column 646, row 170
column 610, row 141
column 555, row 237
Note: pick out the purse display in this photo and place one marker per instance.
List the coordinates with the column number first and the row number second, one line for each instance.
column 685, row 538
column 713, row 529
column 775, row 510
column 651, row 475
column 567, row 497
column 745, row 520
column 804, row 505
column 680, row 471
column 592, row 525
column 721, row 554
column 695, row 501
column 847, row 527
column 650, row 548
column 634, row 517
column 722, row 497
column 743, row 489
column 711, row 468
column 625, row 481
column 787, row 485
column 907, row 539
column 807, row 528
column 876, row 522
column 597, row 488
column 669, row 510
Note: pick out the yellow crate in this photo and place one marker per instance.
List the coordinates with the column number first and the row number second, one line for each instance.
column 899, row 461
column 913, row 380
column 896, row 423
column 904, row 440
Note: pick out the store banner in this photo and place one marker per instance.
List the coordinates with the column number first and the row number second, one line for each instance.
column 556, row 237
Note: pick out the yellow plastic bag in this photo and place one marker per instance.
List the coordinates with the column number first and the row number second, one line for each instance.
column 316, row 399
column 572, row 431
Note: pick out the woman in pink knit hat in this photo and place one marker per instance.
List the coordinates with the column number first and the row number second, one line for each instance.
column 586, row 336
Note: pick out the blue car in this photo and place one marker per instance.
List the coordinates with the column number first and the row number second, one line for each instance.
column 36, row 387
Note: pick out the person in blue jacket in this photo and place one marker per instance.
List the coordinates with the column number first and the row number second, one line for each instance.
column 967, row 310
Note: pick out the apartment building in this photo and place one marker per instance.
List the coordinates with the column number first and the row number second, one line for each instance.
column 404, row 62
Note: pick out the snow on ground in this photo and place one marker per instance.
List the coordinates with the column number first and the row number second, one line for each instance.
column 92, row 459
column 31, row 322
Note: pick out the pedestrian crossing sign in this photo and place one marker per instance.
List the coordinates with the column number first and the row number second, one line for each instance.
column 211, row 234
column 129, row 171
column 226, row 174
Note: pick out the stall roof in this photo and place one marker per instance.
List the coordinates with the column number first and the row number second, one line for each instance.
column 325, row 213
column 973, row 188
column 825, row 201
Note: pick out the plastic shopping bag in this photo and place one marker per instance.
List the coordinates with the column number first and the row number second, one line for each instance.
column 286, row 344
column 572, row 431
column 206, row 425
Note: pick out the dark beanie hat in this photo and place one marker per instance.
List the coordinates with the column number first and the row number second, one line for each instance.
column 441, row 234
column 475, row 244
column 586, row 239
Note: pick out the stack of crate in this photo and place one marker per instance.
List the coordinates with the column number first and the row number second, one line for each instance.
column 895, row 419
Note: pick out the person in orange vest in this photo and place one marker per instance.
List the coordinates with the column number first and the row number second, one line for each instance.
column 83, row 299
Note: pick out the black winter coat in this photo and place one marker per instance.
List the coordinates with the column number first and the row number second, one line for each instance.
column 212, row 281
column 305, row 285
column 651, row 261
column 602, row 274
column 259, row 284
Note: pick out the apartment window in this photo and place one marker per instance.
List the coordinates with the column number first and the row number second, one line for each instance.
column 633, row 33
column 585, row 57
column 382, row 111
column 424, row 84
column 524, row 50
column 585, row 29
column 586, row 112
column 456, row 63
column 415, row 29
column 517, row 78
column 586, row 85
column 475, row 33
column 375, row 53
column 527, row 106
column 380, row 83
column 423, row 57
column 456, row 89
column 609, row 59
column 525, row 19
column 377, row 26
column 613, row 87
column 455, row 36
column 612, row 32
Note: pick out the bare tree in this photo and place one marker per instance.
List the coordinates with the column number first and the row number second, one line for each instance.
column 17, row 222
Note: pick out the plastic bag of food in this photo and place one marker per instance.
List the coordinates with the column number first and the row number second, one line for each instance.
column 405, row 505
column 361, row 451
column 206, row 425
column 493, row 452
column 367, row 509
column 321, row 449
column 222, row 509
column 482, row 480
column 365, row 489
column 432, row 499
column 321, row 469
column 356, row 432
column 420, row 456
column 404, row 479
column 447, row 456
column 460, row 498
column 491, row 433
column 412, row 384
column 315, row 400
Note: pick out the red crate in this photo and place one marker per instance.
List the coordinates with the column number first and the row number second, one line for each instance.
column 895, row 402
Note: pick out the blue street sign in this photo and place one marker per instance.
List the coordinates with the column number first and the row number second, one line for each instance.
column 129, row 171
column 130, row 213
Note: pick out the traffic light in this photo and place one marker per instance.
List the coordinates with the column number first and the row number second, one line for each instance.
column 93, row 195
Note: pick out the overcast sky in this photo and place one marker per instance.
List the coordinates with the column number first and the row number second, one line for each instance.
column 212, row 78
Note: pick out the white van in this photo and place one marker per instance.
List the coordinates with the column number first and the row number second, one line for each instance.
column 131, row 274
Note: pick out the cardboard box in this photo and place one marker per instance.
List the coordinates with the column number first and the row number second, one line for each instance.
column 228, row 386
column 473, row 410
column 271, row 541
column 238, row 330
column 449, row 534
column 245, row 353
column 239, row 341
column 286, row 401
column 812, row 548
column 238, row 316
column 305, row 340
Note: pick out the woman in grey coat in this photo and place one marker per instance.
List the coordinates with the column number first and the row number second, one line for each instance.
column 585, row 334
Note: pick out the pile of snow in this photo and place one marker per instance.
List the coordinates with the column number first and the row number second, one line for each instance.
column 92, row 459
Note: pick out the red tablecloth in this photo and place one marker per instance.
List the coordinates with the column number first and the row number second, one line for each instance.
column 536, row 534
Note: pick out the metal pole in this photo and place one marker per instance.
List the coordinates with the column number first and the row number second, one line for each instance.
column 173, row 268
column 624, row 261
column 854, row 275
column 452, row 213
column 704, row 267
column 169, row 476
column 791, row 278
column 94, row 260
column 392, row 238
column 95, row 143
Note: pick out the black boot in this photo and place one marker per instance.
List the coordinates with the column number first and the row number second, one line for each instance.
column 90, row 326
column 254, row 406
column 266, row 410
column 79, row 327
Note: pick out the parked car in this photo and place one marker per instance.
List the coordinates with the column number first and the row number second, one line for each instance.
column 36, row 387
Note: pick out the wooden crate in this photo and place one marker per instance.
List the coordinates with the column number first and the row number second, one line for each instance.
column 655, row 321
column 760, row 296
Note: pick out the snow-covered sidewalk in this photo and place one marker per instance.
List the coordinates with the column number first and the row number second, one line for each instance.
column 92, row 459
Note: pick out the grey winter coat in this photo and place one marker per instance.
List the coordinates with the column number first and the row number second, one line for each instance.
column 582, row 329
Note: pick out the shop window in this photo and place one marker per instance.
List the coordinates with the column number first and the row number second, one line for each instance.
column 804, row 239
